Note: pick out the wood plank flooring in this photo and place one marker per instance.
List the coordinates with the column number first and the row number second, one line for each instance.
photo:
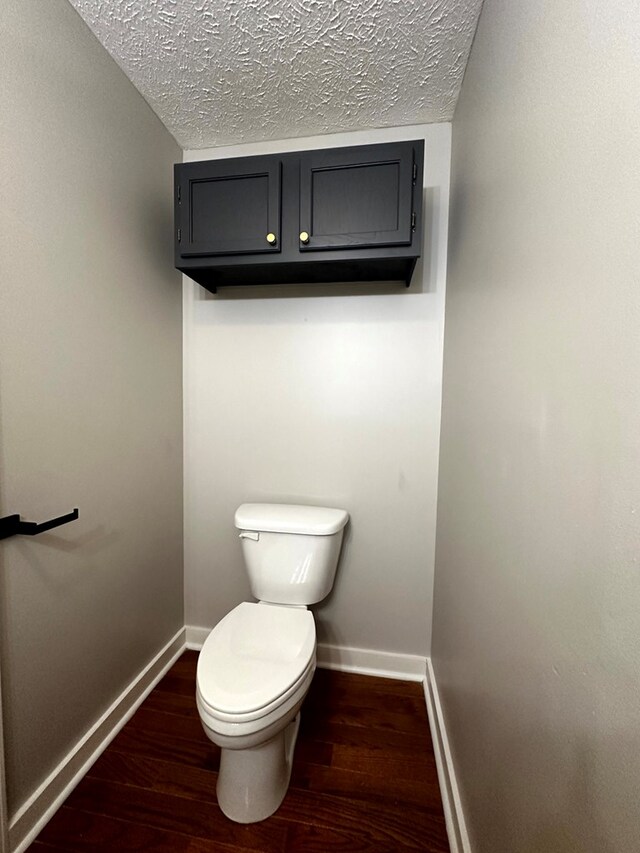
column 364, row 779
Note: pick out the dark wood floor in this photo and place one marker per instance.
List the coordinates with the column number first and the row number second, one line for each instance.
column 364, row 778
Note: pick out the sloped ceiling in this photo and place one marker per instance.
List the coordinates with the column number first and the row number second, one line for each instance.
column 219, row 72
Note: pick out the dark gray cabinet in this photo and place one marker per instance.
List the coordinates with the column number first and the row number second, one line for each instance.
column 229, row 207
column 357, row 197
column 342, row 214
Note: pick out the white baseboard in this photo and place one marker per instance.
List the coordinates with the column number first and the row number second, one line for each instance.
column 451, row 802
column 41, row 805
column 196, row 637
column 44, row 802
column 371, row 662
column 346, row 659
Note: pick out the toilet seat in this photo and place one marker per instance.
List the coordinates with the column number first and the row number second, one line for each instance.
column 254, row 720
column 254, row 660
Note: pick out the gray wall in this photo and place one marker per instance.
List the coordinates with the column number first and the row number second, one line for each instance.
column 90, row 385
column 536, row 638
column 323, row 396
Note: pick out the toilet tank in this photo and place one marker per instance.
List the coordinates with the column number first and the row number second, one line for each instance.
column 291, row 552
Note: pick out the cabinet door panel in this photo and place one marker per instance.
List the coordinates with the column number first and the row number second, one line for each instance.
column 228, row 207
column 357, row 197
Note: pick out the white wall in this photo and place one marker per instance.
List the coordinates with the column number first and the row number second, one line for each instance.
column 90, row 376
column 536, row 641
column 328, row 396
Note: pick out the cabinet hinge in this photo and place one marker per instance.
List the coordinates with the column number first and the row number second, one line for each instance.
column 413, row 221
column 415, row 173
column 179, row 235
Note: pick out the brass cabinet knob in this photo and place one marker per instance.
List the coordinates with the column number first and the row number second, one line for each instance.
column 271, row 238
column 304, row 237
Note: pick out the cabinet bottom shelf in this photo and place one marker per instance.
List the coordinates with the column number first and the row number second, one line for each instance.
column 321, row 272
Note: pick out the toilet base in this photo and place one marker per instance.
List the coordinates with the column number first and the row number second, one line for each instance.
column 252, row 782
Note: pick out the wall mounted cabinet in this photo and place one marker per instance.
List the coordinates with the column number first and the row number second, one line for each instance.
column 340, row 214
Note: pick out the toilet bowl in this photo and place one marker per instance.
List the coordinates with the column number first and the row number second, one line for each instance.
column 257, row 664
column 254, row 671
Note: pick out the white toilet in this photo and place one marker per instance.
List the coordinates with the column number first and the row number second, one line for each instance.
column 256, row 666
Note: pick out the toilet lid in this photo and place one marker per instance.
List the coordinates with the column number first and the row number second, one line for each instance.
column 254, row 655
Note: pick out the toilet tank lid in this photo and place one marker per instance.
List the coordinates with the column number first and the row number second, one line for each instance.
column 291, row 518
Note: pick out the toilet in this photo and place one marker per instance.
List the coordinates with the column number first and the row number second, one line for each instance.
column 257, row 664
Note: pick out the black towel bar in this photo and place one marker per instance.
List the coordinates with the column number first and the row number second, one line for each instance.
column 12, row 525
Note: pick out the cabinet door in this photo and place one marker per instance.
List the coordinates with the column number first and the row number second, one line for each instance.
column 229, row 207
column 357, row 197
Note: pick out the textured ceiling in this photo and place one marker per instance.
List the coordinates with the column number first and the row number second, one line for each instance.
column 226, row 71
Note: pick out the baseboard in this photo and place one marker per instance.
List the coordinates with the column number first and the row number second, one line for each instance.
column 42, row 804
column 196, row 637
column 346, row 659
column 371, row 662
column 451, row 802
